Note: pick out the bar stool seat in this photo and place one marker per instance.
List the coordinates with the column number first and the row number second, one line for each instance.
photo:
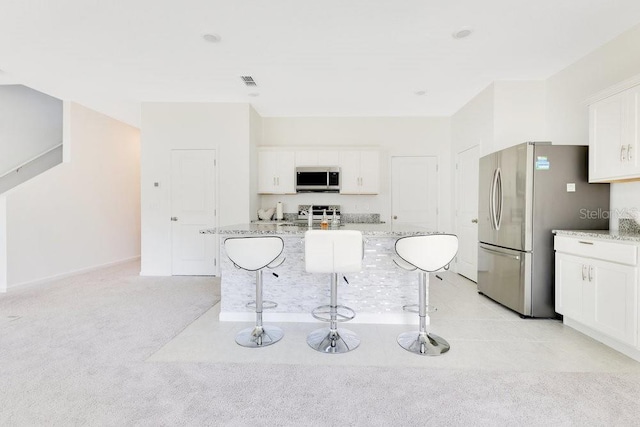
column 333, row 252
column 426, row 254
column 255, row 254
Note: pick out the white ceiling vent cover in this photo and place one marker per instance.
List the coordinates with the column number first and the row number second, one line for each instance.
column 248, row 80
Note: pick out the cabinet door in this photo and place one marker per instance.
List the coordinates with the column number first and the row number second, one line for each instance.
column 350, row 172
column 306, row 158
column 369, row 172
column 286, row 171
column 267, row 166
column 328, row 158
column 606, row 145
column 570, row 271
column 613, row 287
column 632, row 138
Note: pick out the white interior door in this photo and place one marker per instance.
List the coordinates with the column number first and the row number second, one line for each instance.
column 467, row 212
column 414, row 191
column 192, row 209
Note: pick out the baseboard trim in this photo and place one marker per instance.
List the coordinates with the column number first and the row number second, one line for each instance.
column 49, row 279
column 623, row 348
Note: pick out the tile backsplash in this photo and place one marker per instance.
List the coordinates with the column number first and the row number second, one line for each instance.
column 357, row 218
column 628, row 225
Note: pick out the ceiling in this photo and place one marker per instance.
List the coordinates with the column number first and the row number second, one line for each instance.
column 320, row 58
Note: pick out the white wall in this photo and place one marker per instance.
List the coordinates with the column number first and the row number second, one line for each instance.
column 567, row 111
column 395, row 136
column 255, row 140
column 166, row 126
column 473, row 124
column 519, row 113
column 30, row 124
column 80, row 214
column 504, row 114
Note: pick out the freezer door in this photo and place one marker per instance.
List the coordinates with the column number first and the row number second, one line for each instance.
column 505, row 276
column 505, row 198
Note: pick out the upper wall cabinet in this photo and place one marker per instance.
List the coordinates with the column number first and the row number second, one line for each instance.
column 276, row 172
column 317, row 158
column 360, row 172
column 613, row 137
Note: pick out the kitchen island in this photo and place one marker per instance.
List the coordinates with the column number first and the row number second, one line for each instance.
column 377, row 293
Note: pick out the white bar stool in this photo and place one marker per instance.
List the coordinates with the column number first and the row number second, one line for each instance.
column 333, row 251
column 427, row 254
column 254, row 254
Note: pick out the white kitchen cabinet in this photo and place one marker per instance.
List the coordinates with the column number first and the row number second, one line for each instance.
column 317, row 158
column 569, row 284
column 360, row 172
column 596, row 285
column 276, row 172
column 613, row 137
column 612, row 301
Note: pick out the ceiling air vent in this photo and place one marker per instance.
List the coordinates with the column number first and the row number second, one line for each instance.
column 248, row 80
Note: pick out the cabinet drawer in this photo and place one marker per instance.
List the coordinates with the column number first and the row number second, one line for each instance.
column 593, row 248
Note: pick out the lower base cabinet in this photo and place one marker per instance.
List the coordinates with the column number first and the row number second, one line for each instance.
column 594, row 290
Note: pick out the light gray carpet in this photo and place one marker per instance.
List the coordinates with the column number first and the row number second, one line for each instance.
column 73, row 353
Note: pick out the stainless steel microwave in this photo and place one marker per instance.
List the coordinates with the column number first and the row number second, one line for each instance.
column 317, row 179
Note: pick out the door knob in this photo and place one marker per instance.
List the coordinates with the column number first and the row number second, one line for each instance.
column 174, row 218
column 474, row 220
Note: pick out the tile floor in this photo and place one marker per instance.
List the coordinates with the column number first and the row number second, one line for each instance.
column 483, row 336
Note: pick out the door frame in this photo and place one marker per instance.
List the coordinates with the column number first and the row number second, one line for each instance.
column 216, row 206
column 457, row 196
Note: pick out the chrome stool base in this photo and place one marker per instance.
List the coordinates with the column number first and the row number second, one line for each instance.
column 423, row 343
column 259, row 336
column 337, row 341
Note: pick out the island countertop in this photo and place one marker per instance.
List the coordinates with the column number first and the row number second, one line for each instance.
column 372, row 230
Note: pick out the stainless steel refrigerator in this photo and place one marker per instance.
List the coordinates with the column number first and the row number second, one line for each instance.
column 526, row 191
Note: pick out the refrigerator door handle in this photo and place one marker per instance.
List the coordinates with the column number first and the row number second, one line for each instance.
column 493, row 251
column 500, row 193
column 492, row 200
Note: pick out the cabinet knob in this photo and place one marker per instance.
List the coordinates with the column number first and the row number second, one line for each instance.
column 474, row 220
column 395, row 217
column 174, row 218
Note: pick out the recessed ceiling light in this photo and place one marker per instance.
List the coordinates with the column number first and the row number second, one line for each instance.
column 420, row 92
column 254, row 94
column 212, row 38
column 462, row 33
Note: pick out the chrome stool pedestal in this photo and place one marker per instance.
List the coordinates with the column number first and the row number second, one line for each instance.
column 259, row 335
column 330, row 340
column 427, row 253
column 422, row 342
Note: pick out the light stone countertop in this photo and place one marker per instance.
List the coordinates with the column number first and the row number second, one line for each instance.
column 372, row 230
column 600, row 234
